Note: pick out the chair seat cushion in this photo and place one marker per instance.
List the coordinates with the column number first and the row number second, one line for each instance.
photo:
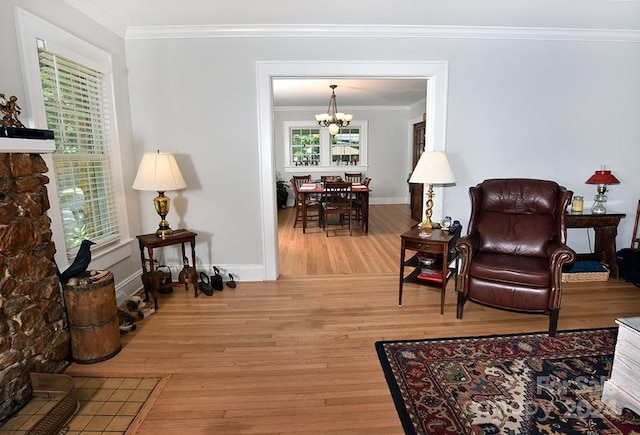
column 511, row 269
column 510, row 296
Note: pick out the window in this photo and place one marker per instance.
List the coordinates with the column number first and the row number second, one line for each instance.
column 74, row 101
column 345, row 147
column 313, row 147
column 305, row 146
column 69, row 85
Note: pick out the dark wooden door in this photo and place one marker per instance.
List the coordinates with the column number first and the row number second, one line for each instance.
column 417, row 189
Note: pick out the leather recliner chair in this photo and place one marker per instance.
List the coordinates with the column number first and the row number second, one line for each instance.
column 514, row 250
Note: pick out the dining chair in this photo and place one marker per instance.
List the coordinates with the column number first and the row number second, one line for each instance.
column 353, row 177
column 305, row 179
column 313, row 208
column 357, row 200
column 337, row 199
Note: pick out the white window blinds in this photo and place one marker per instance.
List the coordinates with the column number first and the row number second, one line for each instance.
column 75, row 105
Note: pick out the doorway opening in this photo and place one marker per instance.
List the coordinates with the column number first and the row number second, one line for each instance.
column 435, row 73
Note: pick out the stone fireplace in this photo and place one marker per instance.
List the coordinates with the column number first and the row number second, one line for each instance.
column 33, row 329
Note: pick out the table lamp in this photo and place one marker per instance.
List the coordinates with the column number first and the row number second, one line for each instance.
column 432, row 168
column 160, row 172
column 602, row 178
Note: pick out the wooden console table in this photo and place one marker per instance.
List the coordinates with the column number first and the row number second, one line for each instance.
column 152, row 241
column 606, row 229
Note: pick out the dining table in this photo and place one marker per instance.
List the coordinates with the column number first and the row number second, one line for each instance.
column 308, row 190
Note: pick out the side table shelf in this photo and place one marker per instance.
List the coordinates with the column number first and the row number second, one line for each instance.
column 151, row 242
column 439, row 247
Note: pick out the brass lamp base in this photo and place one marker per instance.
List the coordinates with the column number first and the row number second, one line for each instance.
column 426, row 225
column 164, row 230
column 162, row 204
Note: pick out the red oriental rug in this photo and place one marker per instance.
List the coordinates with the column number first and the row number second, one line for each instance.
column 509, row 384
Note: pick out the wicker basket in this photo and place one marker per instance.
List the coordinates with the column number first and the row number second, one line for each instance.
column 582, row 271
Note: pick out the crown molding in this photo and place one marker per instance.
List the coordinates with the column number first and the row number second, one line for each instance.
column 382, row 31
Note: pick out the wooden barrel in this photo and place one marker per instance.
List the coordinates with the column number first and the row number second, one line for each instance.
column 92, row 313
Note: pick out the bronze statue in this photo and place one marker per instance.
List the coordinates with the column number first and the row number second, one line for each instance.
column 10, row 111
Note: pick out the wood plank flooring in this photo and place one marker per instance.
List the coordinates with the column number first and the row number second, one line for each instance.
column 296, row 356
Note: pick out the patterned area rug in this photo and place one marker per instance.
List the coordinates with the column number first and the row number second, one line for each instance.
column 513, row 384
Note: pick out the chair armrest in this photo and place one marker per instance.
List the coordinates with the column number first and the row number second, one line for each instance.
column 467, row 247
column 559, row 254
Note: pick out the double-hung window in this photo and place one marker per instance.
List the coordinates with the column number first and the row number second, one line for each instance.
column 345, row 147
column 70, row 89
column 74, row 100
column 305, row 146
column 313, row 148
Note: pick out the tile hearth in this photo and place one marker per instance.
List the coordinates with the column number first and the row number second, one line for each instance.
column 106, row 406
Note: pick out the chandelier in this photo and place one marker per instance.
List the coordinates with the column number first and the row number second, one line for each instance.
column 333, row 119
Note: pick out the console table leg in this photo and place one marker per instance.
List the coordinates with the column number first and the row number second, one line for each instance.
column 605, row 241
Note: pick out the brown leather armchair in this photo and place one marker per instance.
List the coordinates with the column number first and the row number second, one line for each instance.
column 514, row 250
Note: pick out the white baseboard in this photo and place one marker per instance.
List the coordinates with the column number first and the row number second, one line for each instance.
column 241, row 272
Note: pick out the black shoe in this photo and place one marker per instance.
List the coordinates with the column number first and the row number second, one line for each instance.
column 231, row 283
column 204, row 286
column 216, row 280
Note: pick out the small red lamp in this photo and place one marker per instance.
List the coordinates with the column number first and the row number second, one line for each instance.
column 602, row 178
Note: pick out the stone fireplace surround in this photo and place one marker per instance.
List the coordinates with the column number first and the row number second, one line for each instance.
column 34, row 335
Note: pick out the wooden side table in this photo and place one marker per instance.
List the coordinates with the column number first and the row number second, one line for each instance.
column 151, row 242
column 441, row 245
column 605, row 227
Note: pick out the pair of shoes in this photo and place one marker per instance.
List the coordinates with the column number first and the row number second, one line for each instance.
column 204, row 285
column 231, row 283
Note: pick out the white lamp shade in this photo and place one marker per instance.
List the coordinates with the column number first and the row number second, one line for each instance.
column 159, row 172
column 433, row 168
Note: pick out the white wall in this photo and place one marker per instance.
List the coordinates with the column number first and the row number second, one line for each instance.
column 543, row 109
column 547, row 110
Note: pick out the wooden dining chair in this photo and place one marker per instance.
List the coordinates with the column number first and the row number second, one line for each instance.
column 358, row 203
column 353, row 177
column 313, row 207
column 337, row 199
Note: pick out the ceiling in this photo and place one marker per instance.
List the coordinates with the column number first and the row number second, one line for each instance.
column 568, row 14
column 350, row 92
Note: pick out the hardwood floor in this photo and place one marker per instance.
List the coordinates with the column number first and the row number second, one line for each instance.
column 313, row 253
column 296, row 356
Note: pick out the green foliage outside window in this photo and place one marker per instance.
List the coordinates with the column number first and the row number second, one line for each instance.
column 305, row 146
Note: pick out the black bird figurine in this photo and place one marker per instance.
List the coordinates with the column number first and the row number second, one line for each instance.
column 80, row 263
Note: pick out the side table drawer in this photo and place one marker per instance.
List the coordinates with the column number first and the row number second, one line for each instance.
column 426, row 246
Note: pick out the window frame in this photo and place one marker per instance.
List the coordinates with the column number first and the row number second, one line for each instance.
column 325, row 147
column 32, row 29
